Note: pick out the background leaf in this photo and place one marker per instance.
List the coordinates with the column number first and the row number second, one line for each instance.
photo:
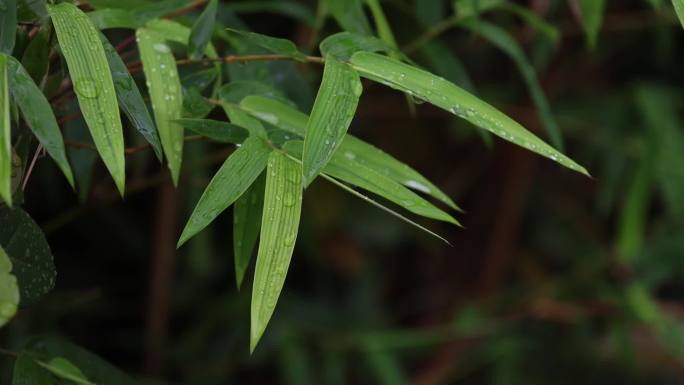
column 679, row 9
column 215, row 130
column 592, row 18
column 9, row 291
column 28, row 372
column 202, row 30
column 62, row 368
column 349, row 15
column 246, row 225
column 5, row 135
column 272, row 44
column 8, row 25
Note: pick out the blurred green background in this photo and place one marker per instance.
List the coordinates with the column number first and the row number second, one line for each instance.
column 555, row 279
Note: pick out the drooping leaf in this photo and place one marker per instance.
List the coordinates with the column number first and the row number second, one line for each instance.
column 215, row 130
column 108, row 18
column 280, row 223
column 64, row 369
column 452, row 98
column 174, row 31
column 246, row 225
column 289, row 119
column 200, row 79
column 343, row 45
column 273, row 44
column 591, row 12
column 202, row 30
column 195, row 105
column 236, row 174
column 9, row 291
column 35, row 58
column 85, row 56
column 332, row 113
column 381, row 25
column 505, row 42
column 29, row 252
column 28, row 372
column 679, row 9
column 38, row 114
column 349, row 15
column 8, row 25
column 345, row 167
column 237, row 90
column 5, row 136
column 166, row 96
column 93, row 367
column 155, row 9
column 130, row 99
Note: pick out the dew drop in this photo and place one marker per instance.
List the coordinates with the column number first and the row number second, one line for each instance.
column 86, row 88
column 161, row 48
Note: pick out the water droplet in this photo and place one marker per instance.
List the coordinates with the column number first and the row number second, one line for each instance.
column 289, row 200
column 86, row 88
column 289, row 239
column 161, row 47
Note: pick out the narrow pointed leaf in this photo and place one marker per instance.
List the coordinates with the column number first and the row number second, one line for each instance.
column 246, row 224
column 344, row 44
column 293, row 9
column 9, row 291
column 36, row 56
column 27, row 371
column 345, row 167
column 452, row 98
column 679, row 9
column 349, row 15
column 64, row 369
column 505, row 42
column 82, row 48
column 236, row 174
column 166, row 95
column 202, row 30
column 8, row 25
column 592, row 18
column 174, row 31
column 130, row 99
column 38, row 114
column 292, row 120
column 381, row 24
column 280, row 223
column 215, row 130
column 272, row 44
column 5, row 136
column 114, row 18
column 331, row 116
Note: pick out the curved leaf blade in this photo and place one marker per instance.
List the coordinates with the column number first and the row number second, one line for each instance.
column 246, row 224
column 234, row 177
column 9, row 291
column 108, row 18
column 343, row 45
column 215, row 130
column 202, row 30
column 592, row 18
column 280, row 224
column 5, row 136
column 27, row 371
column 454, row 99
column 8, row 25
column 93, row 84
column 38, row 114
column 166, row 95
column 331, row 116
column 272, row 44
column 64, row 369
column 679, row 9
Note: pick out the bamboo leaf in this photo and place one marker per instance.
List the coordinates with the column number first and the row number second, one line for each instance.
column 202, row 30
column 592, row 18
column 343, row 45
column 237, row 90
column 246, row 224
column 236, row 174
column 381, row 24
column 280, row 223
column 130, row 99
column 679, row 9
column 166, row 95
column 349, row 15
column 215, row 130
column 348, row 169
column 452, row 98
column 8, row 25
column 109, row 18
column 38, row 114
column 174, row 31
column 89, row 71
column 5, row 135
column 292, row 120
column 36, row 55
column 28, row 372
column 331, row 116
column 505, row 42
column 64, row 369
column 293, row 9
column 9, row 291
column 272, row 44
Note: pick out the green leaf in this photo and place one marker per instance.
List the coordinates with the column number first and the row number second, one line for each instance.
column 5, row 136
column 9, row 291
column 289, row 119
column 273, row 44
column 679, row 9
column 236, row 174
column 331, row 116
column 166, row 95
column 195, row 105
column 349, row 15
column 343, row 45
column 246, row 224
column 592, row 18
column 25, row 244
column 200, row 79
column 293, row 9
column 345, row 167
column 130, row 99
column 28, row 372
column 202, row 30
column 280, row 223
column 85, row 56
column 505, row 42
column 215, row 130
column 38, row 114
column 174, row 31
column 109, row 18
column 36, row 55
column 93, row 367
column 8, row 25
column 237, row 90
column 64, row 369
column 452, row 98
column 381, row 24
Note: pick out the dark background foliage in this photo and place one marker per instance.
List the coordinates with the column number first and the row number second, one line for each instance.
column 550, row 281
